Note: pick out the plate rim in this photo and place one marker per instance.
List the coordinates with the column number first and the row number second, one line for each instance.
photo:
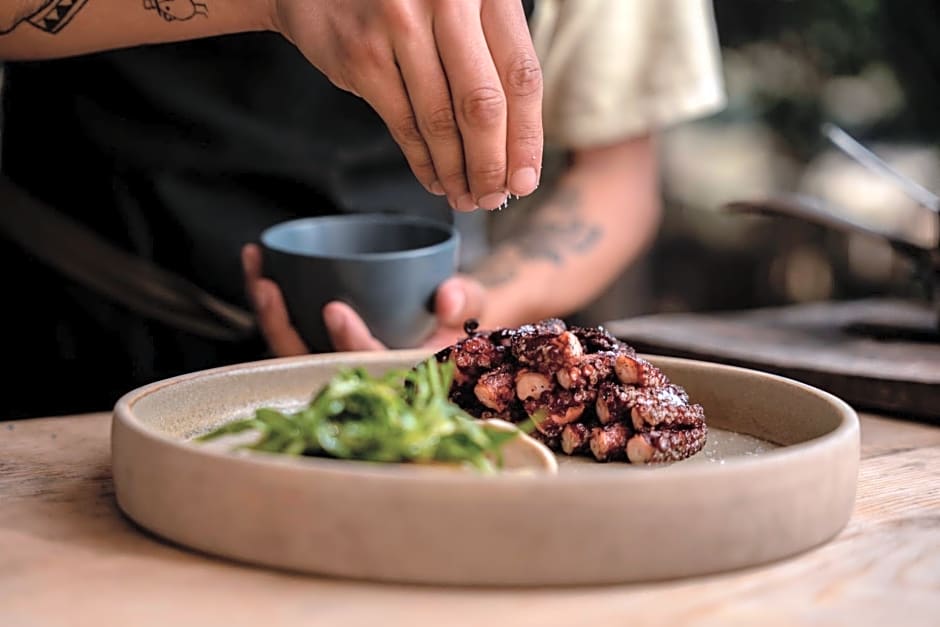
column 123, row 416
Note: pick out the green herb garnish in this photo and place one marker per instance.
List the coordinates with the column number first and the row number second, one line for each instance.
column 401, row 416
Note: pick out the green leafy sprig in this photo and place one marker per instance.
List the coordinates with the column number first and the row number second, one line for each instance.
column 400, row 416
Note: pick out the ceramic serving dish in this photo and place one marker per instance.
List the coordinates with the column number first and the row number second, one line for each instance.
column 787, row 489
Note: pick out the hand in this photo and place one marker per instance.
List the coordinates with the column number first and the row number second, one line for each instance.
column 457, row 82
column 268, row 302
column 456, row 300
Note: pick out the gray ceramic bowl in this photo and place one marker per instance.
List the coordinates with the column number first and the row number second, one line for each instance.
column 387, row 267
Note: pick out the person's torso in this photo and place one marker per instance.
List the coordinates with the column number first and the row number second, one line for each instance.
column 197, row 146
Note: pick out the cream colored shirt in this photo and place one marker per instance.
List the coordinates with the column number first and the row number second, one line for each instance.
column 613, row 69
column 619, row 68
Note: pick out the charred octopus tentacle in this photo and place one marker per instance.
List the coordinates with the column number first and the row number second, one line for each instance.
column 599, row 340
column 496, row 389
column 633, row 370
column 586, row 392
column 665, row 446
column 591, row 370
column 615, row 401
column 609, row 443
column 646, row 414
column 575, row 438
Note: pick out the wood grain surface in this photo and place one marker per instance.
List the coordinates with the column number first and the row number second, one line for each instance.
column 68, row 557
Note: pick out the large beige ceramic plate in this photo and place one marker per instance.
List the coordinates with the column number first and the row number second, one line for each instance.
column 741, row 502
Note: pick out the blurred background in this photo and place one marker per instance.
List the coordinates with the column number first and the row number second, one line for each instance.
column 871, row 67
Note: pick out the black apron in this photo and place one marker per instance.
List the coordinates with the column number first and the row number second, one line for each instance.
column 180, row 153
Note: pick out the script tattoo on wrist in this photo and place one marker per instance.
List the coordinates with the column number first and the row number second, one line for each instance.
column 50, row 16
column 559, row 230
column 171, row 10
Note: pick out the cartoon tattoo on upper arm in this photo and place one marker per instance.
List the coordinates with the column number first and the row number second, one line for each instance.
column 52, row 16
column 177, row 9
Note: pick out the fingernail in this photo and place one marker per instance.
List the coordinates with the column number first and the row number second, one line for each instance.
column 493, row 201
column 452, row 203
column 333, row 319
column 437, row 189
column 466, row 203
column 523, row 182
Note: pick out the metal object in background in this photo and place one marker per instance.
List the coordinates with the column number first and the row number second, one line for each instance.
column 924, row 256
column 851, row 147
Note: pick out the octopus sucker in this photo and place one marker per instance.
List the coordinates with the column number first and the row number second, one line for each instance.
column 609, row 443
column 575, row 438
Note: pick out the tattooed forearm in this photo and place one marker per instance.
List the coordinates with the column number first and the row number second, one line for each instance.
column 557, row 231
column 48, row 15
column 52, row 16
column 496, row 270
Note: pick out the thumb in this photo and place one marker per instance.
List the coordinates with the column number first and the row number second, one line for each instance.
column 459, row 298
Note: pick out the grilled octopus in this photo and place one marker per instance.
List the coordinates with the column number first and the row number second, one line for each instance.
column 586, row 392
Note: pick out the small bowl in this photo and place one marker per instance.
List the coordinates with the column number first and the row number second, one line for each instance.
column 386, row 266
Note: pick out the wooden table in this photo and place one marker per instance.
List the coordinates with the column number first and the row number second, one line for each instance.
column 68, row 557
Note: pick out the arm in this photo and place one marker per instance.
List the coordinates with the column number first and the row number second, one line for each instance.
column 38, row 29
column 604, row 213
column 457, row 83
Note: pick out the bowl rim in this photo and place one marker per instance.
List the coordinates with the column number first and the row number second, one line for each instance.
column 451, row 236
column 123, row 416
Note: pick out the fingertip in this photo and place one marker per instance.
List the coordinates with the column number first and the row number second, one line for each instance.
column 334, row 317
column 451, row 303
column 347, row 330
column 493, row 201
column 524, row 181
column 466, row 203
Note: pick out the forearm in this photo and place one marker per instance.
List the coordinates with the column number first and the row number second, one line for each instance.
column 38, row 29
column 602, row 217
